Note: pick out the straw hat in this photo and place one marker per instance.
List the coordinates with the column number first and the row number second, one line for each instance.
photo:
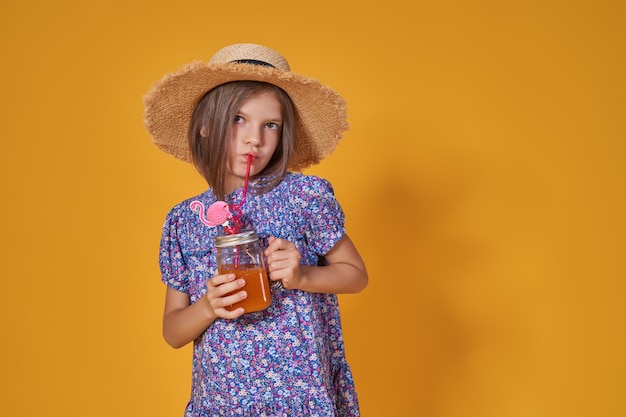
column 321, row 116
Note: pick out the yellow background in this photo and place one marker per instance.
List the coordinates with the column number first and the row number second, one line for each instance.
column 483, row 179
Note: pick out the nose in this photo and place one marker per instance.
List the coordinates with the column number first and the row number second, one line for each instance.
column 253, row 137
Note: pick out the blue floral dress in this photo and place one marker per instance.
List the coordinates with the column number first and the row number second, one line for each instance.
column 289, row 359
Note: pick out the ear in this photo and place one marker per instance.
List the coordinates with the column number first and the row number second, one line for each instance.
column 204, row 132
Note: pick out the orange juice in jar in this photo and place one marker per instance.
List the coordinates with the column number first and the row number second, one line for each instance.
column 242, row 255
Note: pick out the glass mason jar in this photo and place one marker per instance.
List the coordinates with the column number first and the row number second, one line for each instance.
column 242, row 255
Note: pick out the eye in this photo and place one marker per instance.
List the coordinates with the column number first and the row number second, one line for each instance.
column 238, row 119
column 273, row 125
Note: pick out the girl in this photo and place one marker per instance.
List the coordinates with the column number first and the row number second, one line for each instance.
column 287, row 360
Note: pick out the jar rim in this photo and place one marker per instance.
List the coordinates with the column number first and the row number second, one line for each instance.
column 241, row 238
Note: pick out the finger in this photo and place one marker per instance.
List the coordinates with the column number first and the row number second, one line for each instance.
column 223, row 306
column 229, row 300
column 218, row 292
column 228, row 288
column 285, row 255
column 218, row 280
column 277, row 265
column 283, row 259
column 232, row 286
column 274, row 277
column 272, row 243
column 278, row 244
column 226, row 314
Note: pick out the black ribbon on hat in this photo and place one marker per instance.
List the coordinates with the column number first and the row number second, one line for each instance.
column 253, row 62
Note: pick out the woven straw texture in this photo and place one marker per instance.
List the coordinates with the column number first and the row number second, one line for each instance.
column 321, row 116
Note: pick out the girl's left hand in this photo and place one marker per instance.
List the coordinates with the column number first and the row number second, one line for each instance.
column 283, row 262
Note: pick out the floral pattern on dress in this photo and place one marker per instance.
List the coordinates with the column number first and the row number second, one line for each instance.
column 289, row 359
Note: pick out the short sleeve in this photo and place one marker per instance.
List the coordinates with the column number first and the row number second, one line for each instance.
column 174, row 271
column 323, row 213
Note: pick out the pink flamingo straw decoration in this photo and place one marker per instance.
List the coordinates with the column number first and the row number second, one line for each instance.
column 221, row 213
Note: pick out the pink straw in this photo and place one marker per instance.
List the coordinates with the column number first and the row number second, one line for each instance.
column 235, row 209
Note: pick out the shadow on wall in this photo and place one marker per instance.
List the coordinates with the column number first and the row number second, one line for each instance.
column 421, row 255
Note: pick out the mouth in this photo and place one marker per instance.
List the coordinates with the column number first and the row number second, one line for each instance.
column 251, row 156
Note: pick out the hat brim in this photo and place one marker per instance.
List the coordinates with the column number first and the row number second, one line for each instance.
column 321, row 116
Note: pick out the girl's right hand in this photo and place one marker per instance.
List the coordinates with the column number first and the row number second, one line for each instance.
column 221, row 292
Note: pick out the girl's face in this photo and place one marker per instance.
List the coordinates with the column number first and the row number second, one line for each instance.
column 256, row 131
